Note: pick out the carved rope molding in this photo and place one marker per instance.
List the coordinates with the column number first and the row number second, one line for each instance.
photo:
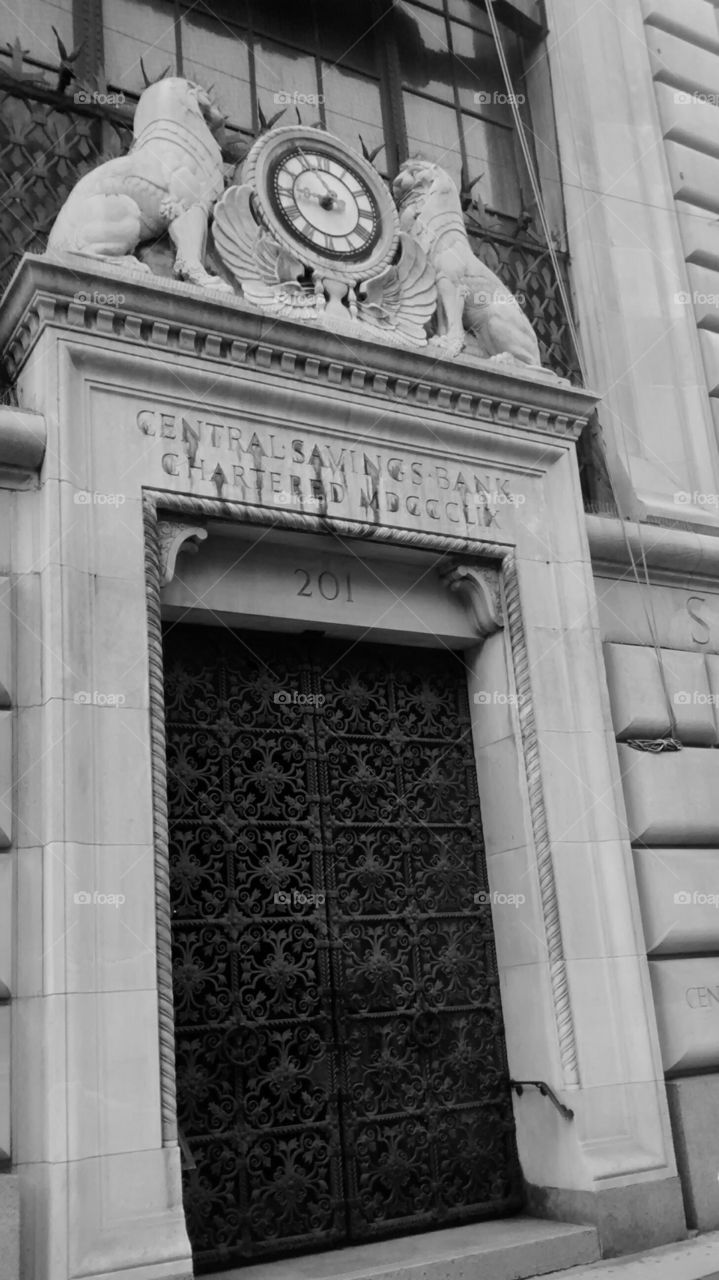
column 163, row 913
column 540, row 829
column 187, row 339
column 174, row 506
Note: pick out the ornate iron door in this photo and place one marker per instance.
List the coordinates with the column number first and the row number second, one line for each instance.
column 341, row 1069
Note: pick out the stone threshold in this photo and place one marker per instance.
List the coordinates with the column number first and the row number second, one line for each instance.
column 695, row 1259
column 509, row 1249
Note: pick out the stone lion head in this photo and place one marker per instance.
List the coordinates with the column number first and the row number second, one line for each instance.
column 421, row 178
column 177, row 99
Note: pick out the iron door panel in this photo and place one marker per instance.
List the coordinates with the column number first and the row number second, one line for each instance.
column 340, row 1052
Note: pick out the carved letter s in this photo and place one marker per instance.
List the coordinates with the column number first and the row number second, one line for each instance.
column 695, row 617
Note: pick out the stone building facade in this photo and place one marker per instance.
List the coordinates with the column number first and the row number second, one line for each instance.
column 358, row 698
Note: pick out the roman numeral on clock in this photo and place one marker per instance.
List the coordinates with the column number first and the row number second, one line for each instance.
column 299, row 221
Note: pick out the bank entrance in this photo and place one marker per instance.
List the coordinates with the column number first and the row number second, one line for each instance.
column 341, row 1070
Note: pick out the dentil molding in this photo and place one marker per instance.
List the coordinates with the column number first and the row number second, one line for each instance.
column 127, row 307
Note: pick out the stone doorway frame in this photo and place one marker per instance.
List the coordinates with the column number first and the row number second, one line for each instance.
column 486, row 578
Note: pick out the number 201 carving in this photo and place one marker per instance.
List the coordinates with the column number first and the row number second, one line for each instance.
column 328, row 585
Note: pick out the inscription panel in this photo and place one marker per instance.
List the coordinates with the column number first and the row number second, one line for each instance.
column 191, row 449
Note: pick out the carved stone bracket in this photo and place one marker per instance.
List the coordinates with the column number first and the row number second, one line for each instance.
column 479, row 590
column 174, row 537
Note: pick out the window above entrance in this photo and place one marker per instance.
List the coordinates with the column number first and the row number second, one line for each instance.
column 394, row 77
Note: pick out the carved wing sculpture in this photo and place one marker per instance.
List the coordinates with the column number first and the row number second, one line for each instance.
column 401, row 300
column 269, row 275
column 393, row 306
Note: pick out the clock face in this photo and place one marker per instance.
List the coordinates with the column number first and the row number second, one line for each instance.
column 325, row 202
column 322, row 202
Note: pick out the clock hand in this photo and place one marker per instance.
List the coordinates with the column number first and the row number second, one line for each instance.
column 306, row 193
column 331, row 195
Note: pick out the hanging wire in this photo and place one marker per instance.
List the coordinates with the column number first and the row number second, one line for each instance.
column 671, row 743
column 179, row 66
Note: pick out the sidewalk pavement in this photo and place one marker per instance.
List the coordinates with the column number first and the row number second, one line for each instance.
column 693, row 1259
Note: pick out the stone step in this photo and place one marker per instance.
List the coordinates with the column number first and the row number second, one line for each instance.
column 510, row 1249
column 695, row 1259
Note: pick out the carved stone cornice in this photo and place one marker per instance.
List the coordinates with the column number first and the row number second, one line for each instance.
column 668, row 552
column 128, row 307
column 478, row 589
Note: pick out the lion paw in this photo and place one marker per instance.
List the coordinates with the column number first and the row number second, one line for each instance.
column 502, row 357
column 194, row 273
column 449, row 347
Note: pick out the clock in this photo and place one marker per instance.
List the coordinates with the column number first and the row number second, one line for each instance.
column 322, row 201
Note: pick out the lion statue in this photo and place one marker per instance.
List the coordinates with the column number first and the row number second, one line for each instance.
column 471, row 299
column 168, row 181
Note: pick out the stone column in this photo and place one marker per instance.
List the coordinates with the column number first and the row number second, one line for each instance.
column 101, row 1187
